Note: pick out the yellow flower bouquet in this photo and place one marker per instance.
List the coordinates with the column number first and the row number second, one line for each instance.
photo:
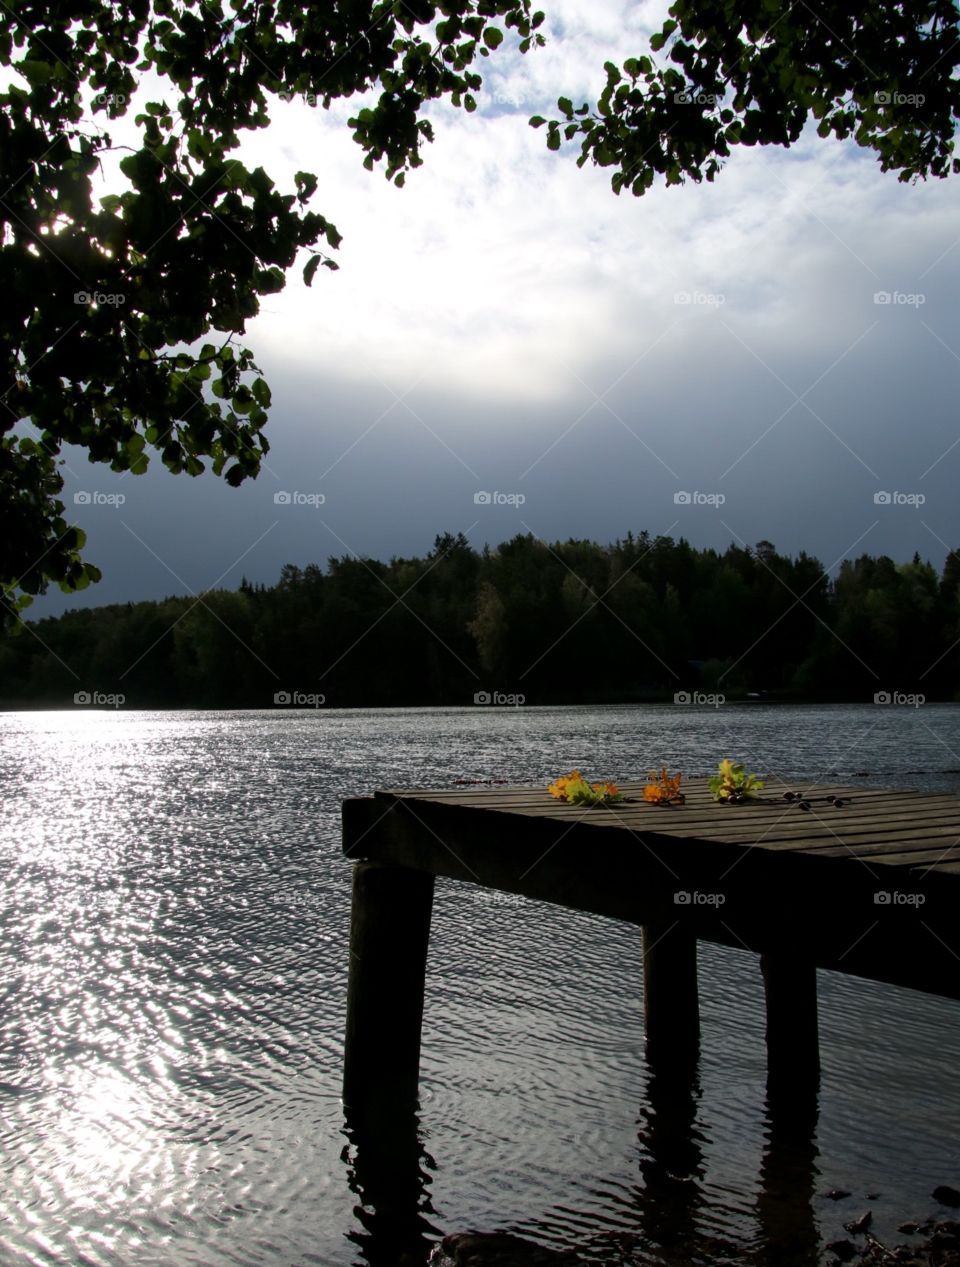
column 574, row 789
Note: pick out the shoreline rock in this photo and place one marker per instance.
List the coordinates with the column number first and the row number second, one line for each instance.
column 937, row 1244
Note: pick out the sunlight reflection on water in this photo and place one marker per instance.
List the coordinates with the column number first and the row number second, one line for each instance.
column 173, row 919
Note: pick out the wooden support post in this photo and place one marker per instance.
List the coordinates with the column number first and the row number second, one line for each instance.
column 389, row 937
column 671, row 1006
column 793, row 1047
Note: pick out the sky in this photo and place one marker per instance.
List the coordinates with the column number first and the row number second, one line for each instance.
column 509, row 347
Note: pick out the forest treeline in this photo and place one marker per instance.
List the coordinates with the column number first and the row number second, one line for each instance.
column 575, row 621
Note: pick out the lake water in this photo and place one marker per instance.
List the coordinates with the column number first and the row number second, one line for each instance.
column 173, row 955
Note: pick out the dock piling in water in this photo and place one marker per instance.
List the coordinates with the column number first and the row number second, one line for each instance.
column 793, row 1044
column 389, row 938
column 671, row 1006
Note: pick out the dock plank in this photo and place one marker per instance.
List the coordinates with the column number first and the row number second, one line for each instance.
column 785, row 828
column 778, row 877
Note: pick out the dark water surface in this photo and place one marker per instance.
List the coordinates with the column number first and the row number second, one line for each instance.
column 173, row 955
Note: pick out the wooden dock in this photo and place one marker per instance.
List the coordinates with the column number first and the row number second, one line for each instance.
column 870, row 887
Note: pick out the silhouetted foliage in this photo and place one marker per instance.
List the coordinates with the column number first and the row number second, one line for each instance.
column 574, row 621
column 882, row 72
column 102, row 344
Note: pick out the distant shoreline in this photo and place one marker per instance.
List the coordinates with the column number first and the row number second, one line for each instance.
column 651, row 701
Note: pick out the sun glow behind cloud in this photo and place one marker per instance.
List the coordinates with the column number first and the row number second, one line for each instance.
column 500, row 266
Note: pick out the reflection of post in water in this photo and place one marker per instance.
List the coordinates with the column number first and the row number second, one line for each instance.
column 788, row 1172
column 671, row 1161
column 388, row 1169
column 788, row 1177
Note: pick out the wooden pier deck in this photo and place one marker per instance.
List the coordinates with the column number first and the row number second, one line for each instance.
column 870, row 888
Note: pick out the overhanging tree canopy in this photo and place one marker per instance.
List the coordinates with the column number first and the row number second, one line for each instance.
column 754, row 72
column 107, row 302
column 120, row 313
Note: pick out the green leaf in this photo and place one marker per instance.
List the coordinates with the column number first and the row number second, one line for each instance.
column 313, row 263
column 34, row 71
column 306, row 183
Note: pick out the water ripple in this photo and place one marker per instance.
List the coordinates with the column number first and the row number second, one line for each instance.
column 174, row 913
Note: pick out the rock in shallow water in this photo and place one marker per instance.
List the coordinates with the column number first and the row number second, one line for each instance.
column 497, row 1249
column 860, row 1225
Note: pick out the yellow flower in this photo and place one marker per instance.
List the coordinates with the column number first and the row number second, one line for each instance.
column 560, row 786
column 575, row 790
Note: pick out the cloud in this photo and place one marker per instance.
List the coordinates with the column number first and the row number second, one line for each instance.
column 505, row 322
column 501, row 265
